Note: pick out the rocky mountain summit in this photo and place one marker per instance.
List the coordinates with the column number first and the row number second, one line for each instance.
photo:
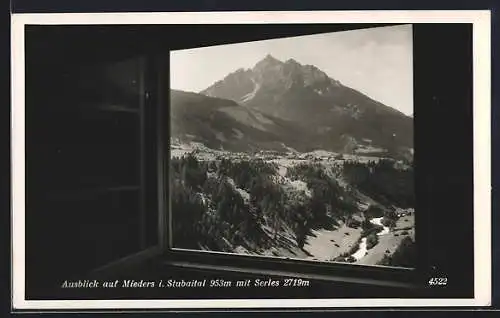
column 295, row 105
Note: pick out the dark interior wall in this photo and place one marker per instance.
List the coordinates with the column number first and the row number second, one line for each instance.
column 72, row 227
column 444, row 150
column 83, row 184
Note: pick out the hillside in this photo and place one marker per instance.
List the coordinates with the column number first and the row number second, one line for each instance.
column 322, row 209
column 223, row 124
column 337, row 117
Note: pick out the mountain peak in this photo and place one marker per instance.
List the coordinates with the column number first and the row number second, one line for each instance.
column 268, row 61
column 269, row 57
column 240, row 70
column 304, row 95
column 292, row 61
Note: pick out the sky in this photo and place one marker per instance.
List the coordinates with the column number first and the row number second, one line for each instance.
column 376, row 61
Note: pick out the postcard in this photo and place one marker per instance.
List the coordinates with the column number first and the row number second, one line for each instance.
column 251, row 160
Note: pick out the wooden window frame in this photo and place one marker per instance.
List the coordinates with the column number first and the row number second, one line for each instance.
column 157, row 97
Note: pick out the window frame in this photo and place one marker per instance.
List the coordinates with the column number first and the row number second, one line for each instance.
column 156, row 102
column 151, row 166
column 251, row 264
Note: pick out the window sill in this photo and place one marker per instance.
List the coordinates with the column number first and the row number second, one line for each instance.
column 286, row 274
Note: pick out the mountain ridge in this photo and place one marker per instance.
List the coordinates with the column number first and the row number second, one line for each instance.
column 291, row 69
column 316, row 106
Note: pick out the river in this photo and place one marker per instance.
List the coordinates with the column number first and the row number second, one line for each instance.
column 378, row 221
column 361, row 252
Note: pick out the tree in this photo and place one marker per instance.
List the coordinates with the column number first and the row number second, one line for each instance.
column 389, row 222
column 371, row 240
column 374, row 211
column 300, row 233
column 352, row 223
column 212, row 166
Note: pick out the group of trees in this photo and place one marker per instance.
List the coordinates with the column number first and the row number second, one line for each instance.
column 404, row 256
column 278, row 207
column 208, row 209
column 382, row 181
column 330, row 200
column 389, row 216
column 191, row 172
column 206, row 206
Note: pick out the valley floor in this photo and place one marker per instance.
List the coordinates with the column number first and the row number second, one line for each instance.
column 326, row 245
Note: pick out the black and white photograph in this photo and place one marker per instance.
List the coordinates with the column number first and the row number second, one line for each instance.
column 284, row 148
column 250, row 161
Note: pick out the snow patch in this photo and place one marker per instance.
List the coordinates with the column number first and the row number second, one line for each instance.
column 241, row 250
column 220, row 136
column 363, row 206
column 251, row 95
column 300, row 185
column 263, row 119
column 238, row 133
column 180, row 150
column 361, row 159
column 244, row 194
column 320, row 154
column 282, row 170
column 202, row 197
column 368, row 149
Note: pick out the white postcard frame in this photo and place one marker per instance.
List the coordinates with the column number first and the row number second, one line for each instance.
column 481, row 20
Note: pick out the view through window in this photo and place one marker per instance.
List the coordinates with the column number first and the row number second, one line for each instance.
column 297, row 148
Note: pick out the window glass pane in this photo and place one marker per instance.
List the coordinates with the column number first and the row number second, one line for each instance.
column 279, row 153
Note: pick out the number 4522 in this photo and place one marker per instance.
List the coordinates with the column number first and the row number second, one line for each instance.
column 438, row 281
